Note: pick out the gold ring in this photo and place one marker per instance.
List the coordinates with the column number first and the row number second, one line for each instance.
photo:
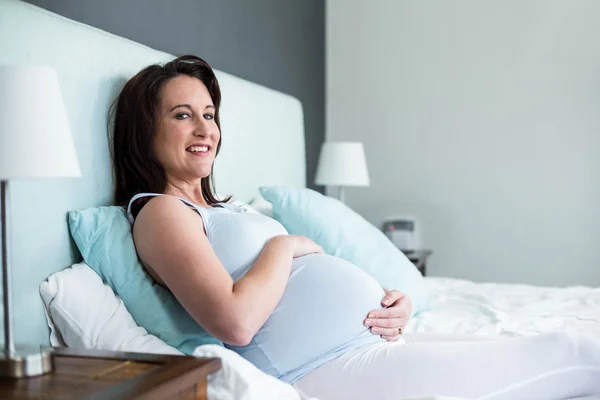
column 399, row 331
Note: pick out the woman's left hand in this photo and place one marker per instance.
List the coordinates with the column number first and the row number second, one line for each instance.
column 389, row 322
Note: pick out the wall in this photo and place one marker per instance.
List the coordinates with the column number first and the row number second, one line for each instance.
column 482, row 119
column 279, row 44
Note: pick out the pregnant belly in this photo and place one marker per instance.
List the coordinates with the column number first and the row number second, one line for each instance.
column 323, row 308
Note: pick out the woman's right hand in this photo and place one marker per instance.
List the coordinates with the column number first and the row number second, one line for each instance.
column 304, row 246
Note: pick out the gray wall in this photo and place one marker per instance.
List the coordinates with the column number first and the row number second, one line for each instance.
column 482, row 120
column 279, row 44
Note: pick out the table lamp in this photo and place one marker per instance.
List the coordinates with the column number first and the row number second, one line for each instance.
column 35, row 142
column 342, row 164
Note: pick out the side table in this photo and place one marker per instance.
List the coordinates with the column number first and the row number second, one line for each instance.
column 419, row 258
column 104, row 375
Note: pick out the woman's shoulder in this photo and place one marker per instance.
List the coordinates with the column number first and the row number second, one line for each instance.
column 165, row 201
column 166, row 211
column 164, row 225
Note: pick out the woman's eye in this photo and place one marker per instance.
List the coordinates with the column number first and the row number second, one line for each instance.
column 209, row 116
column 182, row 116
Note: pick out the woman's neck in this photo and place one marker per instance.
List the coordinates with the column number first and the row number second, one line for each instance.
column 188, row 191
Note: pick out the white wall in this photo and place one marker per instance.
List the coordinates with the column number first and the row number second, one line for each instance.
column 482, row 119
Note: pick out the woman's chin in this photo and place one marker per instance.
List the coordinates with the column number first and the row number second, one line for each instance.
column 204, row 173
column 201, row 170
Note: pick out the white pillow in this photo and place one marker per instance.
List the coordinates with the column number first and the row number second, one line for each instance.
column 83, row 312
column 262, row 206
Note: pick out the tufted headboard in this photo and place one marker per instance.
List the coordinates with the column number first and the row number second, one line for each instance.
column 262, row 133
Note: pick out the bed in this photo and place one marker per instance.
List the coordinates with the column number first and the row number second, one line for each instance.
column 465, row 307
column 92, row 65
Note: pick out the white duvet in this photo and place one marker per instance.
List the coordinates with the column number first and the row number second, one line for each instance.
column 460, row 306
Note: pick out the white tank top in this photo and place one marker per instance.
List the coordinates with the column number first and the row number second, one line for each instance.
column 320, row 315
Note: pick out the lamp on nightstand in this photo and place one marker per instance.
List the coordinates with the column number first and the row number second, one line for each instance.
column 35, row 142
column 342, row 164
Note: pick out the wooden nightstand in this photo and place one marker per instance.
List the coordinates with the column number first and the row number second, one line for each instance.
column 104, row 375
column 419, row 258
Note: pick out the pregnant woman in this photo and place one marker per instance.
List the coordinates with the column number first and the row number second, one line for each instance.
column 277, row 299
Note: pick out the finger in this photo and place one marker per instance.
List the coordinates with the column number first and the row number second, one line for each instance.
column 385, row 331
column 391, row 297
column 391, row 338
column 392, row 312
column 386, row 322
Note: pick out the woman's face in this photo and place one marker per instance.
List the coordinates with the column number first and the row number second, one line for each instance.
column 187, row 135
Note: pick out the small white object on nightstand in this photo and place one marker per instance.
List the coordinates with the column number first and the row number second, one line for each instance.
column 403, row 232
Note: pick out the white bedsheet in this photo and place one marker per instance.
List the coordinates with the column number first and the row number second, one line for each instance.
column 460, row 306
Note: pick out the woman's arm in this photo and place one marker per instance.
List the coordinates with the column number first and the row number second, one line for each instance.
column 170, row 239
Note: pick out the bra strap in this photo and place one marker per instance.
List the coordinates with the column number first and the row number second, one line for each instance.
column 140, row 195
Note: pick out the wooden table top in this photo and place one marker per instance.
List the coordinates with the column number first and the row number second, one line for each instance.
column 104, row 375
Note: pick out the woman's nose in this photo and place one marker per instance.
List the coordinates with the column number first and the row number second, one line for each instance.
column 202, row 130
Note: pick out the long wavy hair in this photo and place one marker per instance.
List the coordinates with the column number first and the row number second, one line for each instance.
column 133, row 116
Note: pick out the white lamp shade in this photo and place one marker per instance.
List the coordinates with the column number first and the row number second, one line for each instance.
column 342, row 164
column 35, row 139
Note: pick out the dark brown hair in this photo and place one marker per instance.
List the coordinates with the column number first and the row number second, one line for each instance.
column 134, row 113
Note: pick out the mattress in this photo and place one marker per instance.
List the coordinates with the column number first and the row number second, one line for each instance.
column 466, row 307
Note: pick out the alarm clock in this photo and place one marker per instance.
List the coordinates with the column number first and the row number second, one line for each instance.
column 402, row 231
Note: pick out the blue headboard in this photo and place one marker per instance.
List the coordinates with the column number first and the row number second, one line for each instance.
column 92, row 66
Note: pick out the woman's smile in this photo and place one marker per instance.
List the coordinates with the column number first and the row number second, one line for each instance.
column 199, row 150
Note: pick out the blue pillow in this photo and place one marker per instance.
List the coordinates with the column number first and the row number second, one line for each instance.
column 103, row 236
column 343, row 233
